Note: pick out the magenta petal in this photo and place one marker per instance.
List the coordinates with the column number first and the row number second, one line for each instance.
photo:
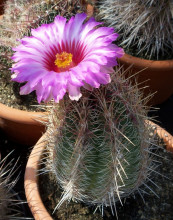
column 74, row 80
column 40, row 93
column 74, row 92
column 93, row 56
column 26, row 89
column 47, row 95
column 76, row 26
column 58, row 93
column 102, row 78
column 92, row 81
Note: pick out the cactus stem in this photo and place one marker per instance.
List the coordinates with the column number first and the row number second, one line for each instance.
column 100, row 146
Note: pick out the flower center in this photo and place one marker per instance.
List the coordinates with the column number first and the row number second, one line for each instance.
column 63, row 59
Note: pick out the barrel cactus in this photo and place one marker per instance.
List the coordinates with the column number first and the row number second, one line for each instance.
column 145, row 27
column 98, row 141
column 101, row 147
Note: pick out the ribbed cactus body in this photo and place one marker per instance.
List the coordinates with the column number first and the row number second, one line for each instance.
column 145, row 26
column 101, row 150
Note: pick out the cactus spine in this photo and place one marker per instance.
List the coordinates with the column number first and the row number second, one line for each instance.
column 9, row 203
column 144, row 26
column 100, row 144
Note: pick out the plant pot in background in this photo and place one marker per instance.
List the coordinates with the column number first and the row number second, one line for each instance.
column 22, row 127
column 157, row 76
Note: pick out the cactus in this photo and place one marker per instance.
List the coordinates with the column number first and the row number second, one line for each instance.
column 101, row 149
column 145, row 27
column 9, row 203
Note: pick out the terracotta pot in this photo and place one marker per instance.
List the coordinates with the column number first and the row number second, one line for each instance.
column 159, row 76
column 164, row 135
column 31, row 178
column 156, row 76
column 22, row 127
column 31, row 182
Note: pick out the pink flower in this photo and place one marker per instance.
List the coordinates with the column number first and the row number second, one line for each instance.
column 63, row 56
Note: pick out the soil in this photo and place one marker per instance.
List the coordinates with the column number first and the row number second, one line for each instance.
column 9, row 94
column 134, row 208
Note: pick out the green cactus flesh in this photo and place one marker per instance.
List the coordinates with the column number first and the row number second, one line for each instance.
column 101, row 145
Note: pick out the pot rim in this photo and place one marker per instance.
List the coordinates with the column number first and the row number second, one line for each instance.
column 155, row 64
column 127, row 57
column 31, row 182
column 163, row 134
column 20, row 116
column 23, row 127
column 31, row 178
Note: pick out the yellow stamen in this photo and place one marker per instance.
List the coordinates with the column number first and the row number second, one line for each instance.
column 63, row 59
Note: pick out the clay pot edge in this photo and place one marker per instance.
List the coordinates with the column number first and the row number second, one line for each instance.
column 154, row 64
column 31, row 178
column 31, row 182
column 20, row 116
column 22, row 127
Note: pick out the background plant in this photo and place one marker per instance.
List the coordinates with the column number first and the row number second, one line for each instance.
column 20, row 16
column 99, row 147
column 10, row 203
column 18, row 19
column 145, row 27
